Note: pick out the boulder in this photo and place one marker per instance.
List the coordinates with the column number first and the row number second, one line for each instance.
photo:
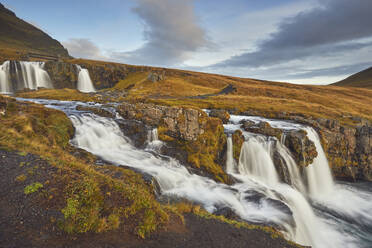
column 156, row 76
column 221, row 114
column 302, row 149
column 262, row 128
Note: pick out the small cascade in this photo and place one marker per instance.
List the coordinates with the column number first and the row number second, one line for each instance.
column 318, row 174
column 4, row 78
column 339, row 219
column 33, row 75
column 230, row 161
column 255, row 160
column 153, row 142
column 295, row 175
column 84, row 82
column 19, row 75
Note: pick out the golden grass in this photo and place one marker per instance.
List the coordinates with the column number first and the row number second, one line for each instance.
column 61, row 94
column 94, row 202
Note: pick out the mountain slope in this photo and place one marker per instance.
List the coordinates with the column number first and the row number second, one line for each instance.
column 361, row 79
column 18, row 35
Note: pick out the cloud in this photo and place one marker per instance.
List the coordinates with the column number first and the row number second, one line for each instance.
column 336, row 26
column 83, row 48
column 171, row 33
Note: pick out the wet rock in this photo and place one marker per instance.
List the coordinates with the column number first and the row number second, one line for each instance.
column 221, row 114
column 136, row 131
column 238, row 140
column 263, row 128
column 302, row 149
column 227, row 212
column 247, row 124
column 98, row 111
column 281, row 168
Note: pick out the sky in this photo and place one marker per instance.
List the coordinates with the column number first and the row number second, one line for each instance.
column 296, row 41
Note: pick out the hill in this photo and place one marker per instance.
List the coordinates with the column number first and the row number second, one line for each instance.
column 361, row 79
column 19, row 37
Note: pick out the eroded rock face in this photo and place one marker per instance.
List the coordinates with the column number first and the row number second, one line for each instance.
column 302, row 149
column 63, row 75
column 180, row 123
column 156, row 76
column 349, row 149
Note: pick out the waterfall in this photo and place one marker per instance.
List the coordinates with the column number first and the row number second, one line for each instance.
column 255, row 160
column 34, row 76
column 318, row 174
column 341, row 218
column 153, row 142
column 84, row 82
column 292, row 167
column 230, row 161
column 27, row 75
column 4, row 78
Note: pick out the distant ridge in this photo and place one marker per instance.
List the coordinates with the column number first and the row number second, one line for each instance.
column 18, row 35
column 361, row 79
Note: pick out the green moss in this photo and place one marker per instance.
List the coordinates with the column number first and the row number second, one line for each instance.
column 238, row 140
column 32, row 188
column 94, row 202
column 204, row 153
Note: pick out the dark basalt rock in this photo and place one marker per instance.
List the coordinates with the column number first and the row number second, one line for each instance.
column 302, row 149
column 136, row 131
column 281, row 168
column 227, row 212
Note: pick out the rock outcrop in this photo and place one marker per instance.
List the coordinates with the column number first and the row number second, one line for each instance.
column 192, row 137
column 262, row 128
column 303, row 150
column 348, row 148
column 181, row 123
column 155, row 76
column 221, row 114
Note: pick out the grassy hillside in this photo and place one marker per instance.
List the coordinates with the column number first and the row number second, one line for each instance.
column 18, row 36
column 201, row 90
column 361, row 79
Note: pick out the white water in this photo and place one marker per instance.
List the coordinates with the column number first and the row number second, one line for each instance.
column 4, row 78
column 231, row 166
column 341, row 218
column 84, row 82
column 30, row 75
column 34, row 76
column 255, row 161
column 319, row 177
column 153, row 142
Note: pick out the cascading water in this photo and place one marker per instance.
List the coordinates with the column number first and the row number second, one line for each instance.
column 33, row 75
column 4, row 78
column 153, row 142
column 27, row 75
column 230, row 161
column 258, row 196
column 318, row 174
column 84, row 82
